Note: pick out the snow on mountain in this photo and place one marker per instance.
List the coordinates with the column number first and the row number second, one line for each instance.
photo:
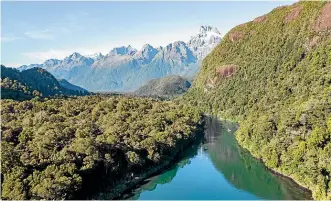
column 206, row 39
column 126, row 68
column 122, row 51
column 95, row 56
column 146, row 54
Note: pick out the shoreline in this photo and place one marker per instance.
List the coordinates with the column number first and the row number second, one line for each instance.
column 278, row 173
column 274, row 171
column 122, row 189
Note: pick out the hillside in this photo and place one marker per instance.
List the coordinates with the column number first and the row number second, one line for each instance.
column 31, row 83
column 273, row 75
column 64, row 83
column 164, row 87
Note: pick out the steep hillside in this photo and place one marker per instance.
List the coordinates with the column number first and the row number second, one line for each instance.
column 31, row 83
column 273, row 75
column 164, row 87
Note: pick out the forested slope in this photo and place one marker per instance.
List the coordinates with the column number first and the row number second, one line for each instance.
column 273, row 75
column 167, row 87
column 66, row 148
column 31, row 83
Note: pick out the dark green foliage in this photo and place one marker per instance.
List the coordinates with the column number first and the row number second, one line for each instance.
column 167, row 87
column 280, row 91
column 51, row 148
column 35, row 82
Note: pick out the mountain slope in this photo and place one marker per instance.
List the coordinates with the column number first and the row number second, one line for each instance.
column 30, row 83
column 126, row 69
column 164, row 87
column 64, row 83
column 277, row 84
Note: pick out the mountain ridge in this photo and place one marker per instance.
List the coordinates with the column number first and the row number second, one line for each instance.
column 33, row 82
column 126, row 68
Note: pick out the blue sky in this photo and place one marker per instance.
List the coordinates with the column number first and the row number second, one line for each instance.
column 35, row 31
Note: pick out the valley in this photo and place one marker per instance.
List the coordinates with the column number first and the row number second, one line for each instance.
column 244, row 116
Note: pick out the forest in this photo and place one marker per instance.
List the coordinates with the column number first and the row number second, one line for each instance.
column 55, row 148
column 33, row 83
column 277, row 85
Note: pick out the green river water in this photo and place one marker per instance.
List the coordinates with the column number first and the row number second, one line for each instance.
column 218, row 169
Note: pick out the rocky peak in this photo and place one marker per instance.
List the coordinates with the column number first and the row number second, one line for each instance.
column 122, row 51
column 206, row 39
column 146, row 54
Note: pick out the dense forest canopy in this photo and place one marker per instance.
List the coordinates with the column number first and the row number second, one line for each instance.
column 166, row 87
column 50, row 149
column 273, row 75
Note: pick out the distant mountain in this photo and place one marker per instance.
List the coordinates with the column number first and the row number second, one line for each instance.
column 32, row 82
column 169, row 86
column 126, row 68
column 64, row 83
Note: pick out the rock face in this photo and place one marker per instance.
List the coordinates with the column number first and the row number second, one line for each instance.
column 126, row 68
column 323, row 22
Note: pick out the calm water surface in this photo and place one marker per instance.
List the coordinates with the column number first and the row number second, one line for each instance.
column 218, row 169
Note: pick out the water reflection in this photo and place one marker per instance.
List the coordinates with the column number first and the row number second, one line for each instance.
column 242, row 170
column 219, row 169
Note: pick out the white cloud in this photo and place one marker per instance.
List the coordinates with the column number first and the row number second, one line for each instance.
column 41, row 56
column 9, row 38
column 13, row 65
column 45, row 34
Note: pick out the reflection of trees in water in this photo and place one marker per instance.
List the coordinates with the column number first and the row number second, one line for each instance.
column 242, row 170
column 167, row 176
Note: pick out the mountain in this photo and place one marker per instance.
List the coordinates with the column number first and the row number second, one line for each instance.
column 273, row 75
column 33, row 82
column 64, row 83
column 169, row 86
column 207, row 39
column 126, row 68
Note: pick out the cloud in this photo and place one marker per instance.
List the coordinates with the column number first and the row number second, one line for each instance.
column 9, row 38
column 12, row 65
column 41, row 56
column 45, row 34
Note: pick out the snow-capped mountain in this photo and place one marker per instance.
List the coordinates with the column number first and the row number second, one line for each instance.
column 95, row 56
column 206, row 39
column 126, row 68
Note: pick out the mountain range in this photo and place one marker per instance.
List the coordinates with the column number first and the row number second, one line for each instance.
column 126, row 68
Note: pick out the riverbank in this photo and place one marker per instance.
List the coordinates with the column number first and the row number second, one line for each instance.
column 274, row 171
column 277, row 172
column 122, row 188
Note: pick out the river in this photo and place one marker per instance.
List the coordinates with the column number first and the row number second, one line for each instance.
column 218, row 169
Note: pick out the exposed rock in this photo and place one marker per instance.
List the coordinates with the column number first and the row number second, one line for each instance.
column 323, row 21
column 293, row 14
column 236, row 36
column 259, row 19
column 226, row 70
column 313, row 41
column 211, row 82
